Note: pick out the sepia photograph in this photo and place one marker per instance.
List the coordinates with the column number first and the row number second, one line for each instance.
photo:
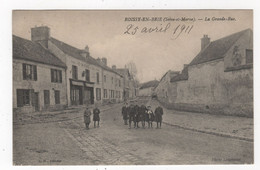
column 132, row 87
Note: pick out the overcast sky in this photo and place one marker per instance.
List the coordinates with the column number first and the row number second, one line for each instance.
column 153, row 53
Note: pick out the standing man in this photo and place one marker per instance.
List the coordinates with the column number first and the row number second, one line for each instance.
column 136, row 116
column 125, row 113
column 158, row 115
column 142, row 115
column 87, row 114
column 96, row 117
column 131, row 114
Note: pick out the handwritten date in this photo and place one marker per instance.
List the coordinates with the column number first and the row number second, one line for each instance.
column 176, row 31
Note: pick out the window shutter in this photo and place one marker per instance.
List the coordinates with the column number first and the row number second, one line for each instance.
column 51, row 75
column 19, row 94
column 24, row 71
column 32, row 97
column 60, row 76
column 35, row 73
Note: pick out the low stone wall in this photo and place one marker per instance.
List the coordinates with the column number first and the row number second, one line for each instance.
column 243, row 110
column 54, row 107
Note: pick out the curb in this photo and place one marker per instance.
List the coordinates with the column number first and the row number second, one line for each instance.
column 209, row 132
column 62, row 120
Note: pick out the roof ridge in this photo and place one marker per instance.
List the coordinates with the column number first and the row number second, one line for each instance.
column 95, row 62
column 240, row 32
column 29, row 50
column 212, row 52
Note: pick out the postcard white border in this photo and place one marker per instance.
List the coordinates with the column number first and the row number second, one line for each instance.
column 6, row 68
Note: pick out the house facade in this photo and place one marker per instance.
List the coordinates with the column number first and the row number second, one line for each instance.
column 84, row 74
column 129, row 84
column 219, row 79
column 39, row 81
column 112, row 87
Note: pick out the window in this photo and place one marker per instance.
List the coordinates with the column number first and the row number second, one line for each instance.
column 98, row 94
column 119, row 83
column 87, row 75
column 112, row 94
column 29, row 72
column 57, row 96
column 105, row 93
column 105, row 78
column 97, row 77
column 74, row 72
column 56, row 76
column 112, row 80
column 23, row 97
column 119, row 95
column 249, row 56
column 46, row 97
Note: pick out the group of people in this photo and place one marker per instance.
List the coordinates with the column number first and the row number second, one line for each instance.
column 87, row 117
column 136, row 114
column 133, row 113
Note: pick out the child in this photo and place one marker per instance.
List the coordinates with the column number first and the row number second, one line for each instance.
column 87, row 114
column 96, row 117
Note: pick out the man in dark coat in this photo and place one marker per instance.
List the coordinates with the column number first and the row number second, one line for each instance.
column 136, row 116
column 142, row 113
column 158, row 115
column 125, row 111
column 131, row 114
column 96, row 117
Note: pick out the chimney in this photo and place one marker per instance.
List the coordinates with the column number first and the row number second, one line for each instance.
column 98, row 59
column 85, row 52
column 104, row 60
column 205, row 40
column 41, row 34
column 114, row 67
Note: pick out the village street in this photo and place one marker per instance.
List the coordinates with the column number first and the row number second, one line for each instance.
column 61, row 139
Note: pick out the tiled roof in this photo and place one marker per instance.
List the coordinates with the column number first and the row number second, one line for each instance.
column 28, row 50
column 172, row 74
column 123, row 71
column 182, row 76
column 148, row 84
column 76, row 53
column 217, row 49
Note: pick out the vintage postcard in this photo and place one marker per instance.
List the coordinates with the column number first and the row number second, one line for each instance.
column 132, row 87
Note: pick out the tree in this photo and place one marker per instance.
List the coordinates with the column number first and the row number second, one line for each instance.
column 132, row 69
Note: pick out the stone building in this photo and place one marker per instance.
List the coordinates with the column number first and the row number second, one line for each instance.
column 129, row 84
column 84, row 74
column 148, row 88
column 112, row 84
column 219, row 79
column 39, row 81
column 162, row 89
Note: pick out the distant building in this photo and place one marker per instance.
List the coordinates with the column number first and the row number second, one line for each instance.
column 129, row 84
column 162, row 89
column 148, row 88
column 219, row 79
column 39, row 81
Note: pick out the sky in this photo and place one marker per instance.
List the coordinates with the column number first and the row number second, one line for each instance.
column 114, row 34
